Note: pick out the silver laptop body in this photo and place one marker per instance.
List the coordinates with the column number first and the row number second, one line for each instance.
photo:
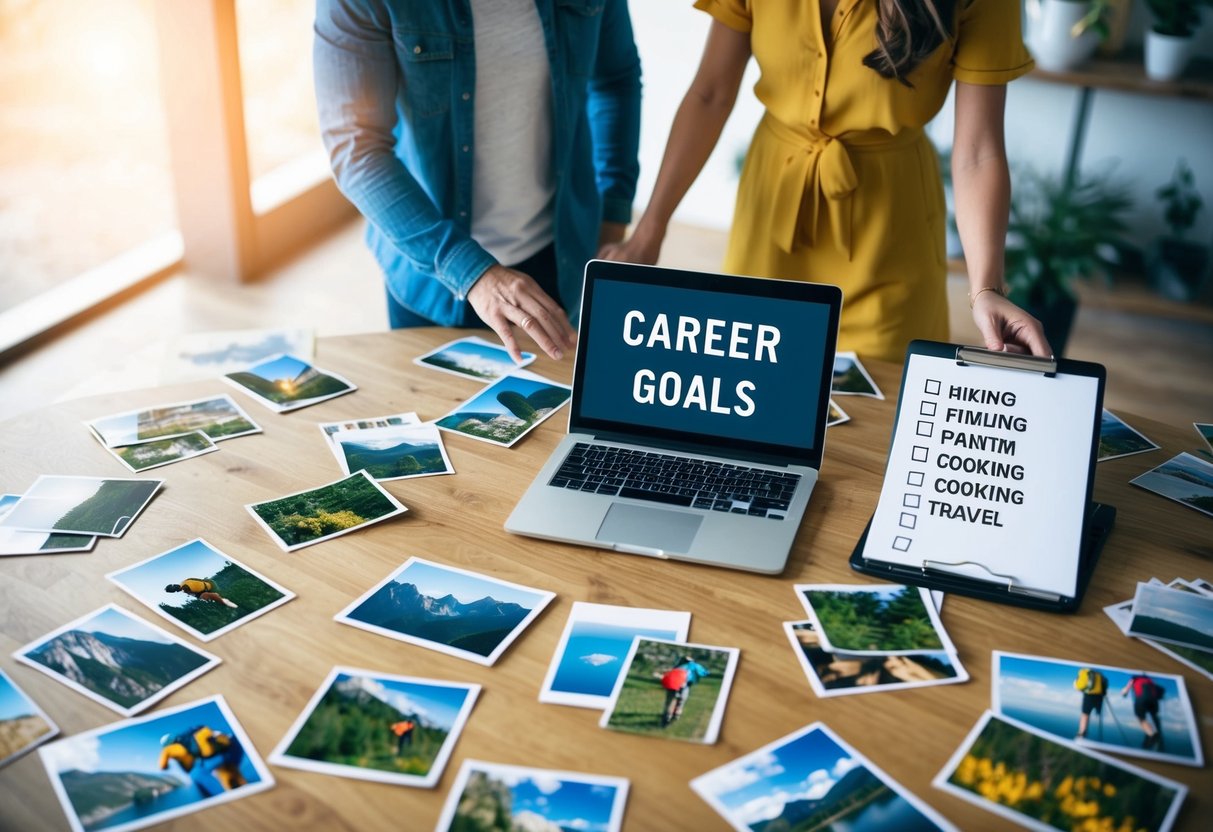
column 697, row 419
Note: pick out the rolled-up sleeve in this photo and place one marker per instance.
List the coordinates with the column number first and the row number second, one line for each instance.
column 614, row 113
column 989, row 43
column 356, row 77
column 732, row 13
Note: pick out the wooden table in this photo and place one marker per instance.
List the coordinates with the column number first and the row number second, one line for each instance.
column 272, row 665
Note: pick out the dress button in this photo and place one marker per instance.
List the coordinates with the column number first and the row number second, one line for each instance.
column 416, row 50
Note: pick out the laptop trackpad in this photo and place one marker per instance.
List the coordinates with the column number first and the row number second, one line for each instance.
column 651, row 528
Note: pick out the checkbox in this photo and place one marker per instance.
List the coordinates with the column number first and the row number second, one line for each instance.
column 912, row 500
column 901, row 544
column 925, row 428
column 908, row 520
column 918, row 453
column 916, row 478
column 927, row 409
column 932, row 387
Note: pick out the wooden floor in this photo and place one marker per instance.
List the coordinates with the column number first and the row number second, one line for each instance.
column 1158, row 353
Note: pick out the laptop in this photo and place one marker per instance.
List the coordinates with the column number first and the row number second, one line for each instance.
column 697, row 420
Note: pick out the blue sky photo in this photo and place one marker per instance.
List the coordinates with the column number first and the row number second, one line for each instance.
column 484, row 358
column 1041, row 693
column 135, row 747
column 594, row 654
column 195, row 559
column 13, row 702
column 437, row 705
column 487, row 402
column 115, row 622
column 805, row 767
column 436, row 582
column 282, row 367
column 1187, row 609
column 567, row 803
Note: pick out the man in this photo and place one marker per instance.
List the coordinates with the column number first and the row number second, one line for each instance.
column 211, row 758
column 677, row 683
column 1146, row 695
column 491, row 145
column 404, row 734
column 202, row 589
column 1094, row 687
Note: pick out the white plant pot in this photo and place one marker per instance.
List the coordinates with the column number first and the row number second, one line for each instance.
column 1048, row 34
column 1167, row 56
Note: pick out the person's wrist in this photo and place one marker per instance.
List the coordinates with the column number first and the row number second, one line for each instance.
column 1000, row 290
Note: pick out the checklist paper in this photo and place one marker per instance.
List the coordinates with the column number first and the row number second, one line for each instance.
column 987, row 474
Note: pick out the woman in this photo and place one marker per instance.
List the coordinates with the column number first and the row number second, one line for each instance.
column 841, row 184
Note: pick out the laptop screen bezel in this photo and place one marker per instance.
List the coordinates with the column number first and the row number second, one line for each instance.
column 820, row 293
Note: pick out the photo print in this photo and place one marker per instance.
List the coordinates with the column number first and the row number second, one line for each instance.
column 1171, row 615
column 851, row 377
column 1206, row 433
column 811, row 779
column 842, row 674
column 194, row 356
column 101, row 506
column 1117, row 439
column 1199, row 660
column 594, row 646
column 1035, row 780
column 533, row 798
column 319, row 514
column 145, row 771
column 23, row 725
column 217, row 417
column 285, row 383
column 1185, row 479
column 874, row 619
column 16, row 542
column 147, row 455
column 394, row 420
column 444, row 608
column 672, row 690
column 392, row 453
column 201, row 589
column 836, row 415
column 1087, row 703
column 473, row 357
column 117, row 659
column 380, row 727
column 508, row 409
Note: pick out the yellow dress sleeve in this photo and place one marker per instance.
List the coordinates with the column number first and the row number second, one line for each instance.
column 989, row 43
column 732, row 13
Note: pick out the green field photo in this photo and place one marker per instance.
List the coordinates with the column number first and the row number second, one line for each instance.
column 642, row 702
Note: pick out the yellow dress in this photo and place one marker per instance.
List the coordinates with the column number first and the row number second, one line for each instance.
column 841, row 184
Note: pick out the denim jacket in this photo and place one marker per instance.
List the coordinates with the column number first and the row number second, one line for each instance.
column 395, row 82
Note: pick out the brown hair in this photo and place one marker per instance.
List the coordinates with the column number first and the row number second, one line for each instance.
column 906, row 32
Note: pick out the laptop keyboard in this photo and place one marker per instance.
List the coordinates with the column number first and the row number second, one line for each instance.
column 676, row 480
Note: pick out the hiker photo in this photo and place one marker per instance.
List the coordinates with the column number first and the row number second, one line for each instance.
column 672, row 690
column 1122, row 710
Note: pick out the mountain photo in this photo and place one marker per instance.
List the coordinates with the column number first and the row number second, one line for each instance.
column 391, row 453
column 507, row 409
column 447, row 609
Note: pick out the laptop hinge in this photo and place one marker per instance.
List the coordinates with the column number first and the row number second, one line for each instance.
column 695, row 448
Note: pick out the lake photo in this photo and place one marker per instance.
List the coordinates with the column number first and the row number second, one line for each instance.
column 1185, row 479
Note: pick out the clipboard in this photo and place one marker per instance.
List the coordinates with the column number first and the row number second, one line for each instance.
column 985, row 453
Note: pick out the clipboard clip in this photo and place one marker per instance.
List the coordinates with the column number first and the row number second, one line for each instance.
column 1007, row 361
column 1012, row 587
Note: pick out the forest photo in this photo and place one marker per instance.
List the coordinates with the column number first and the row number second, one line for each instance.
column 873, row 619
column 311, row 516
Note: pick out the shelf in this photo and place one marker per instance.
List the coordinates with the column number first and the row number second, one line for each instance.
column 1126, row 73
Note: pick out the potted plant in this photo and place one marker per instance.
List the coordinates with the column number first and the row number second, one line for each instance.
column 1177, row 265
column 1059, row 233
column 1169, row 41
column 1062, row 34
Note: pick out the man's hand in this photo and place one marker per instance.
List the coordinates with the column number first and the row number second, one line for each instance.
column 505, row 298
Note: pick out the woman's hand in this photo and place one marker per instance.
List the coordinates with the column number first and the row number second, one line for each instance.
column 1005, row 326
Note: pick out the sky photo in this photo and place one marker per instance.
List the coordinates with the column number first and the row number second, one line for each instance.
column 1041, row 693
column 1187, row 609
column 136, row 747
column 479, row 357
column 437, row 581
column 282, row 367
column 13, row 702
column 195, row 559
column 487, row 402
column 567, row 803
column 594, row 655
column 52, row 497
column 757, row 787
column 437, row 705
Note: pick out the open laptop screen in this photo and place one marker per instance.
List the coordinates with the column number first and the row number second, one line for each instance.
column 707, row 361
